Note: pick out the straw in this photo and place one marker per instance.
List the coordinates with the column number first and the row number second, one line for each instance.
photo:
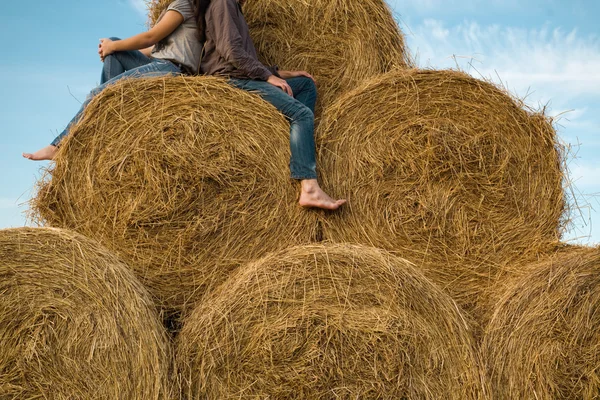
column 75, row 323
column 324, row 322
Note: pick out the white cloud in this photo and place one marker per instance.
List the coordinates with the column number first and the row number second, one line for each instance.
column 425, row 7
column 581, row 119
column 546, row 66
column 436, row 28
column 556, row 65
column 586, row 177
column 585, row 223
column 580, row 127
column 139, row 5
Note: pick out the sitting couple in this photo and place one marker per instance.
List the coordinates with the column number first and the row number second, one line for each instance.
column 174, row 46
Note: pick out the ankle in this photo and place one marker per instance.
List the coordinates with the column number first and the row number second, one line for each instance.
column 309, row 185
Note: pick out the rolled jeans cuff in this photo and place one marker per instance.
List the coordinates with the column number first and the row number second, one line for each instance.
column 302, row 178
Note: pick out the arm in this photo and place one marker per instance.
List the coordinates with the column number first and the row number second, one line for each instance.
column 147, row 51
column 293, row 74
column 167, row 24
column 229, row 45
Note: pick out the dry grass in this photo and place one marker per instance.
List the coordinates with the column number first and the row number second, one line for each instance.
column 184, row 178
column 543, row 341
column 324, row 322
column 448, row 170
column 340, row 42
column 155, row 9
column 75, row 323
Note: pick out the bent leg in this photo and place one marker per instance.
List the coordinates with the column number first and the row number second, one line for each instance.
column 302, row 143
column 121, row 61
column 305, row 91
column 153, row 69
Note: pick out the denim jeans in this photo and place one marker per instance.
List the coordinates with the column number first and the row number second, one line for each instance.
column 155, row 67
column 299, row 110
column 121, row 61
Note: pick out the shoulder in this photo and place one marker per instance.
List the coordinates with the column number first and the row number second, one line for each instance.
column 184, row 7
column 223, row 5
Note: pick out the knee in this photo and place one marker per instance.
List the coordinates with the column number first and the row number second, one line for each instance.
column 304, row 113
column 309, row 85
column 94, row 92
column 111, row 56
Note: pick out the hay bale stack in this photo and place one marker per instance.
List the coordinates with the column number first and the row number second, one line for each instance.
column 340, row 42
column 543, row 341
column 328, row 321
column 446, row 169
column 75, row 323
column 184, row 178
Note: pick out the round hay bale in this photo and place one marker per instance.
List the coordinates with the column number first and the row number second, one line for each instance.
column 448, row 170
column 340, row 42
column 328, row 321
column 543, row 341
column 184, row 178
column 75, row 323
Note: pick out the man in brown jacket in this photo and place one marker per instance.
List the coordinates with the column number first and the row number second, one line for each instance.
column 229, row 52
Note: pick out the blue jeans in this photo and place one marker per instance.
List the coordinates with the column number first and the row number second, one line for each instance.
column 299, row 110
column 153, row 68
column 121, row 61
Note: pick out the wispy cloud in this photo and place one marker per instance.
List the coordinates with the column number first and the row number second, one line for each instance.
column 582, row 119
column 586, row 177
column 548, row 65
column 585, row 224
column 139, row 5
column 481, row 7
column 426, row 6
column 553, row 62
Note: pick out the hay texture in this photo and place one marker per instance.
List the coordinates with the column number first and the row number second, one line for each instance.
column 185, row 178
column 324, row 322
column 543, row 341
column 340, row 42
column 75, row 323
column 446, row 169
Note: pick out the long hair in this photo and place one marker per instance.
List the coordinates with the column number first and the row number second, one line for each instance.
column 200, row 7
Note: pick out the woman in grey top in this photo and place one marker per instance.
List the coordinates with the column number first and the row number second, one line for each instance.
column 172, row 46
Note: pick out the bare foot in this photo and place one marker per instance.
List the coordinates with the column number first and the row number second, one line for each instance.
column 313, row 196
column 47, row 153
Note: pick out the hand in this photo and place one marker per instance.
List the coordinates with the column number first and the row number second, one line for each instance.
column 294, row 74
column 105, row 48
column 280, row 83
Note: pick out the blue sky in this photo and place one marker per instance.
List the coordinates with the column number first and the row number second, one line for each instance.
column 548, row 50
column 545, row 51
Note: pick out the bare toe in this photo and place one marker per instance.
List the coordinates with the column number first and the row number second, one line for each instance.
column 46, row 153
column 317, row 198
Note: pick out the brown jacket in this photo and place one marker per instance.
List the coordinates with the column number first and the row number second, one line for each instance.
column 228, row 49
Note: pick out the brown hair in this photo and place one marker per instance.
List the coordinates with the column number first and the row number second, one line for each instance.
column 200, row 7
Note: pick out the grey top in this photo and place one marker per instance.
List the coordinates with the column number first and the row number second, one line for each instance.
column 182, row 45
column 229, row 50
